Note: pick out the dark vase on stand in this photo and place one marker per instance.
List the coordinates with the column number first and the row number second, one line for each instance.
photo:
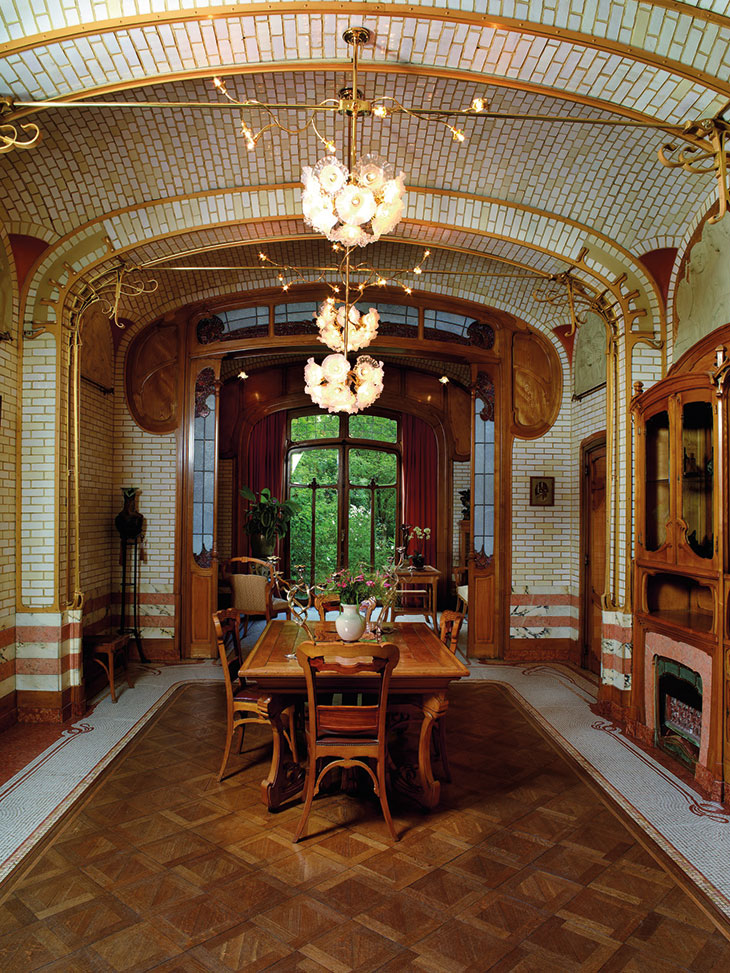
column 129, row 521
column 130, row 525
column 418, row 560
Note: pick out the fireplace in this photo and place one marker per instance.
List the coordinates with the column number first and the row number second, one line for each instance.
column 678, row 727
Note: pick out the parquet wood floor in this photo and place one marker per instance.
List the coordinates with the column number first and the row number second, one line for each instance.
column 523, row 867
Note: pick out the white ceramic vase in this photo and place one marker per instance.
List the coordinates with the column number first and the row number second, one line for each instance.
column 350, row 624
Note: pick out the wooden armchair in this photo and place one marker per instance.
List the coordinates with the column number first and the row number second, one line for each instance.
column 449, row 628
column 253, row 589
column 242, row 702
column 353, row 735
column 327, row 602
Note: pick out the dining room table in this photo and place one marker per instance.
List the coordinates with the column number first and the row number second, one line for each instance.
column 422, row 677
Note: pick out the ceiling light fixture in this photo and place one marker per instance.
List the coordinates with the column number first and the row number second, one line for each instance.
column 352, row 208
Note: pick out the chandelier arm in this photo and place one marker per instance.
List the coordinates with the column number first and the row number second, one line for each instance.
column 328, row 144
column 722, row 189
column 275, row 123
column 10, row 137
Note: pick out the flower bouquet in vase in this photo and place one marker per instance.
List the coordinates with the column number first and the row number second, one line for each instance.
column 353, row 590
column 419, row 536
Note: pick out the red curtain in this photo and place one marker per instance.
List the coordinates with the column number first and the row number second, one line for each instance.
column 264, row 462
column 420, row 479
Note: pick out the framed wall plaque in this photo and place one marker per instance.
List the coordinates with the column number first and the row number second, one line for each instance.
column 542, row 491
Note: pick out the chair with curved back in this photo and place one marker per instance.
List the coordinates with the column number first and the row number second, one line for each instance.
column 347, row 735
column 242, row 702
column 326, row 602
column 253, row 589
column 449, row 628
column 461, row 577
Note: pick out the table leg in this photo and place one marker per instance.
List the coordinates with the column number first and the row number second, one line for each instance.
column 286, row 778
column 419, row 781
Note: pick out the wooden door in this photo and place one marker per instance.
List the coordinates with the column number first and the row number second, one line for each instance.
column 593, row 533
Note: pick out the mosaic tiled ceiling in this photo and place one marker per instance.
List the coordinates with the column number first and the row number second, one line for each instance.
column 157, row 184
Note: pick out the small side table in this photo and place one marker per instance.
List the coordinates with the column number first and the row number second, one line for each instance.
column 426, row 578
column 103, row 649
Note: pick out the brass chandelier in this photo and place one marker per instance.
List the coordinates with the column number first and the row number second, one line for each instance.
column 351, row 205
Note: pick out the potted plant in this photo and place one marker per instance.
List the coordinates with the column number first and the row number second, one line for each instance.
column 266, row 519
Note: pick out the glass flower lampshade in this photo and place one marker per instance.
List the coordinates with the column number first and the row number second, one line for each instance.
column 352, row 208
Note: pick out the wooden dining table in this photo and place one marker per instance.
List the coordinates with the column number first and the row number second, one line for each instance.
column 423, row 674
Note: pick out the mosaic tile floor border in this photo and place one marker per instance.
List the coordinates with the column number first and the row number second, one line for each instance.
column 694, row 833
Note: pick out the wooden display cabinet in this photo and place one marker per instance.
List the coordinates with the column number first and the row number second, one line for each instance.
column 680, row 570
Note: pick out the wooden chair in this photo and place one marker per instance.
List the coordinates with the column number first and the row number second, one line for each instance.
column 253, row 589
column 461, row 577
column 449, row 627
column 242, row 702
column 354, row 736
column 326, row 603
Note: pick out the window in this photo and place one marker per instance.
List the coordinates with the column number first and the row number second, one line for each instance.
column 348, row 492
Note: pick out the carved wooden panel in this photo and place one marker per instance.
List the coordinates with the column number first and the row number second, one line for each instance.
column 152, row 378
column 201, row 597
column 97, row 347
column 537, row 385
column 459, row 412
column 423, row 387
column 481, row 613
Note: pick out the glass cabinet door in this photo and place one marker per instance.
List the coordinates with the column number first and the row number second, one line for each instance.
column 696, row 469
column 657, row 499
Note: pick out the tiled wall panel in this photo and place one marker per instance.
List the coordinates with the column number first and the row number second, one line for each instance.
column 99, row 541
column 38, row 473
column 8, row 470
column 544, row 539
column 149, row 463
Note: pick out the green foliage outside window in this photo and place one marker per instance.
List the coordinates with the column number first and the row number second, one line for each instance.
column 373, row 427
column 371, row 514
column 321, row 426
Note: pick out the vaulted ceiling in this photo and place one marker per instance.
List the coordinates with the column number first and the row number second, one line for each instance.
column 165, row 185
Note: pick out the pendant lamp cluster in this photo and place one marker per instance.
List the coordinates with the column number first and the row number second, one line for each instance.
column 351, row 208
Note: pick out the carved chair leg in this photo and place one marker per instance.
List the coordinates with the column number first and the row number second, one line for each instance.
column 384, row 800
column 308, row 798
column 227, row 751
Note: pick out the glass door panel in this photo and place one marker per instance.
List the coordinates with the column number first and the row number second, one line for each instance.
column 657, row 510
column 386, row 509
column 348, row 500
column 314, row 476
column 697, row 462
column 371, row 523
